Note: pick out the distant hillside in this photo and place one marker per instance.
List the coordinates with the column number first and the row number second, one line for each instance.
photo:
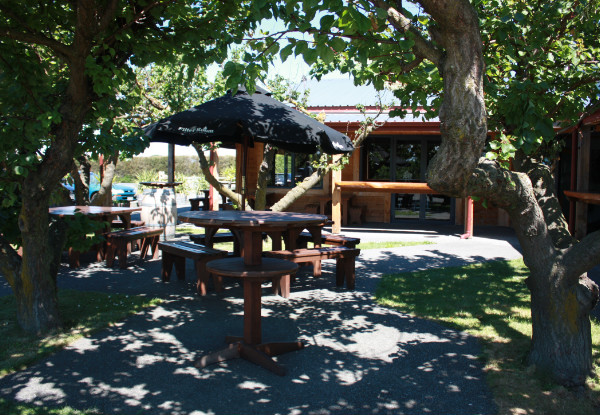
column 128, row 170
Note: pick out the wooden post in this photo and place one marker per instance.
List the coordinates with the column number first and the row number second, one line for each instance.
column 336, row 200
column 583, row 180
column 573, row 187
column 468, row 219
column 171, row 163
column 214, row 160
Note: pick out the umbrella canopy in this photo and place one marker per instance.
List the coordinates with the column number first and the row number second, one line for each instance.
column 257, row 117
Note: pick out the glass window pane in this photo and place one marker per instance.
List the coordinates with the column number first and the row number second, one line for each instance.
column 408, row 161
column 291, row 168
column 377, row 159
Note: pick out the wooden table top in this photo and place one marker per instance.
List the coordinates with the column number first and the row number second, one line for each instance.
column 92, row 210
column 248, row 219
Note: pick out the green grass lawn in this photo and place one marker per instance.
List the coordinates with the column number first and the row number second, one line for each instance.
column 491, row 302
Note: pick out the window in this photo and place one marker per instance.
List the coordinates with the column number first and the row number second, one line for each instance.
column 405, row 159
column 291, row 168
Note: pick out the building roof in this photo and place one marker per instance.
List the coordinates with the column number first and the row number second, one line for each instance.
column 338, row 98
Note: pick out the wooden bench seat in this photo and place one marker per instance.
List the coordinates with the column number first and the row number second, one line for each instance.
column 328, row 239
column 118, row 223
column 118, row 241
column 345, row 261
column 217, row 238
column 175, row 253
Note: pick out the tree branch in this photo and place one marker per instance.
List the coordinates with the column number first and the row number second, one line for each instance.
column 63, row 51
column 423, row 48
column 584, row 255
column 260, row 196
column 224, row 190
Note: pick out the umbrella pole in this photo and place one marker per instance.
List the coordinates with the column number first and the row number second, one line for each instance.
column 244, row 163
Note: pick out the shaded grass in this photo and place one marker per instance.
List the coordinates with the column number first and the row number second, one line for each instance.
column 82, row 314
column 490, row 301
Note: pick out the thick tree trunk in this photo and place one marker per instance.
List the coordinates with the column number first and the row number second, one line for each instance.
column 561, row 298
column 35, row 289
column 561, row 343
column 561, row 294
column 463, row 120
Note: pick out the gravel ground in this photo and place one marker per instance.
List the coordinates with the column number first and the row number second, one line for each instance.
column 359, row 358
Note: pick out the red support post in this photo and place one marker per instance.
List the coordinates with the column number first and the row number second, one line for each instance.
column 468, row 219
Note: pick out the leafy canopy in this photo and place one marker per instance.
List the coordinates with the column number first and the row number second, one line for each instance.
column 542, row 58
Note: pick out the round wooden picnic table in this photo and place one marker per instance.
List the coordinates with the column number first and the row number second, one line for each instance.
column 249, row 226
column 252, row 269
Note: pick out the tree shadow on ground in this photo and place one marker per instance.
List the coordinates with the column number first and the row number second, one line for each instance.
column 360, row 358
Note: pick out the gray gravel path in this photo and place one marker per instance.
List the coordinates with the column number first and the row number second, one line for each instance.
column 360, row 358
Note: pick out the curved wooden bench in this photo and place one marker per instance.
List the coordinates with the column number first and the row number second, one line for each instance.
column 175, row 253
column 118, row 223
column 117, row 241
column 328, row 239
column 250, row 346
column 345, row 261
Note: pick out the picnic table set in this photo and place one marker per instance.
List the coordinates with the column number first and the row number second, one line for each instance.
column 249, row 263
column 237, row 118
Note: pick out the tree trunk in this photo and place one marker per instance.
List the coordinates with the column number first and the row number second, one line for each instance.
column 81, row 179
column 260, row 196
column 104, row 195
column 463, row 119
column 35, row 289
column 561, row 299
column 224, row 190
column 561, row 343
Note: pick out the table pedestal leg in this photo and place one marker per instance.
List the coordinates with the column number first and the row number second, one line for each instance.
column 259, row 354
column 250, row 347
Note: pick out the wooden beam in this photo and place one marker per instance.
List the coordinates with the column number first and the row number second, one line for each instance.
column 171, row 163
column 593, row 198
column 384, row 187
column 336, row 200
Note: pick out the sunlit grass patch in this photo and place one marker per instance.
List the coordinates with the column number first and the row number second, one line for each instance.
column 13, row 408
column 491, row 302
column 82, row 313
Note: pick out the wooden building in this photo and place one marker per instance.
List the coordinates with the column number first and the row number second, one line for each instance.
column 399, row 151
column 396, row 152
column 578, row 175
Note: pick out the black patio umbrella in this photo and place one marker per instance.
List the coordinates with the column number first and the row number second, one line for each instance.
column 247, row 118
column 258, row 117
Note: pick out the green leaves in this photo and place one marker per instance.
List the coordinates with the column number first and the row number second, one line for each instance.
column 536, row 73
